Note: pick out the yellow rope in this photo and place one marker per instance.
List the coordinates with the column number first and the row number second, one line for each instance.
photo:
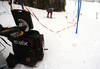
column 20, row 34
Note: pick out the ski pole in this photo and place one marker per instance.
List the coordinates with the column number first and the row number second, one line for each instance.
column 22, row 5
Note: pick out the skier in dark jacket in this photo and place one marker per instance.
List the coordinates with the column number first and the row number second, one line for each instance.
column 49, row 10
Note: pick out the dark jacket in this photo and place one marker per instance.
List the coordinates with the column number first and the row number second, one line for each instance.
column 50, row 10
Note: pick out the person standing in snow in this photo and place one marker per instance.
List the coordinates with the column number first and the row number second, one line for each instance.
column 49, row 10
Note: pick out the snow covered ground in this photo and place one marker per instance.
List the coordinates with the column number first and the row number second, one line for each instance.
column 66, row 50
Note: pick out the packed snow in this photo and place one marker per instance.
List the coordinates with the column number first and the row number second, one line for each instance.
column 66, row 49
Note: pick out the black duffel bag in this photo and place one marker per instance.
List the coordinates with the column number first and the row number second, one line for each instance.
column 29, row 48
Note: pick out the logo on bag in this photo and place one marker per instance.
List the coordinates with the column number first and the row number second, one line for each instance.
column 21, row 42
column 28, row 59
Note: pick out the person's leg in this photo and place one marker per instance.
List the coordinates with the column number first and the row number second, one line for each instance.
column 48, row 14
column 51, row 15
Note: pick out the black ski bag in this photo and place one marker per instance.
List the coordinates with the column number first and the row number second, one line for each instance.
column 28, row 48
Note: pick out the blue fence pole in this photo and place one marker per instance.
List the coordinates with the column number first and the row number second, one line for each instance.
column 78, row 14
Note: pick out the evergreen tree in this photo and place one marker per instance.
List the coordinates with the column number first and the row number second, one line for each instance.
column 57, row 5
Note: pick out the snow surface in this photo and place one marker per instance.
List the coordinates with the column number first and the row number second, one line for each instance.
column 66, row 49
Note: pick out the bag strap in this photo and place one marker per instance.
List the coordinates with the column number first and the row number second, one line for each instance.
column 10, row 3
column 5, row 41
column 22, row 4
